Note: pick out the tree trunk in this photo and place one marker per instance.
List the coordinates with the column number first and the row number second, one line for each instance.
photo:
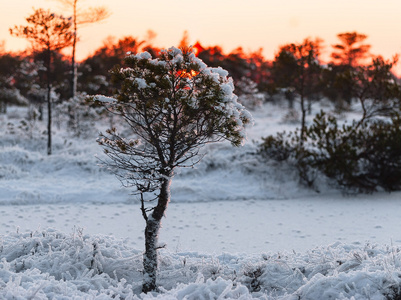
column 74, row 43
column 73, row 73
column 291, row 103
column 3, row 107
column 40, row 109
column 303, row 119
column 49, row 121
column 153, row 223
column 150, row 256
column 74, row 67
column 49, row 106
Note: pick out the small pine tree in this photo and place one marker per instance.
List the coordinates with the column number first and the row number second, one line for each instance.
column 173, row 106
column 350, row 51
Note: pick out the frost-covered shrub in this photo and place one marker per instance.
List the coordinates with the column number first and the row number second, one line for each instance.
column 79, row 115
column 23, row 127
column 10, row 96
column 54, row 264
column 276, row 147
column 252, row 278
column 394, row 292
column 292, row 116
column 361, row 157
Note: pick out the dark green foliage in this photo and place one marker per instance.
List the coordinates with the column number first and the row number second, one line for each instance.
column 296, row 69
column 360, row 157
column 383, row 153
column 338, row 83
column 276, row 147
column 332, row 150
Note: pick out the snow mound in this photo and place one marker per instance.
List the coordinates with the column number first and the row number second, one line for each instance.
column 16, row 162
column 54, row 265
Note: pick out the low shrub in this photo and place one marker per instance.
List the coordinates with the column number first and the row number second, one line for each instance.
column 362, row 157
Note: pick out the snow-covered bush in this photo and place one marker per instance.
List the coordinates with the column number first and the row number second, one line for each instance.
column 79, row 115
column 361, row 157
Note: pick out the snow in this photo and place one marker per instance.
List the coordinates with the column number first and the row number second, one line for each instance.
column 220, row 71
column 237, row 228
column 143, row 55
column 141, row 83
column 104, row 99
column 45, row 264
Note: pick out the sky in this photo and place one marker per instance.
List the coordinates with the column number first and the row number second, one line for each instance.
column 251, row 24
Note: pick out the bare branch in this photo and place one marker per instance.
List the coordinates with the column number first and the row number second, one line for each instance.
column 93, row 15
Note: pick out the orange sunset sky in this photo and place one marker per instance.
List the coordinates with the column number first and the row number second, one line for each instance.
column 252, row 24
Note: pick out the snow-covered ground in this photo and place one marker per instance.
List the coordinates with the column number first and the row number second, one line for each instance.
column 237, row 227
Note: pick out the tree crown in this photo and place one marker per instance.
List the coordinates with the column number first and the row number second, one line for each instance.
column 46, row 30
column 350, row 51
column 173, row 104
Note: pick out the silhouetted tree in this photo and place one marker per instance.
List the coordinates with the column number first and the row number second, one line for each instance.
column 347, row 56
column 47, row 33
column 184, row 40
column 259, row 69
column 173, row 105
column 350, row 51
column 80, row 18
column 337, row 85
column 9, row 92
column 95, row 69
column 235, row 62
column 376, row 88
column 296, row 68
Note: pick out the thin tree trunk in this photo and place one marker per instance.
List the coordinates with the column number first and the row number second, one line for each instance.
column 49, row 121
column 153, row 223
column 74, row 43
column 3, row 107
column 73, row 70
column 303, row 120
column 40, row 110
column 49, row 107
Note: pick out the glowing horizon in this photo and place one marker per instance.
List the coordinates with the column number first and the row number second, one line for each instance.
column 230, row 24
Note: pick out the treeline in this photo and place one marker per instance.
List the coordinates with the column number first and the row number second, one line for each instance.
column 296, row 72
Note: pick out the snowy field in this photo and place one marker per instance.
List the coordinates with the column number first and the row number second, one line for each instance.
column 237, row 227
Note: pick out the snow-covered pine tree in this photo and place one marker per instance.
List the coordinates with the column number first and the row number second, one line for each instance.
column 174, row 105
